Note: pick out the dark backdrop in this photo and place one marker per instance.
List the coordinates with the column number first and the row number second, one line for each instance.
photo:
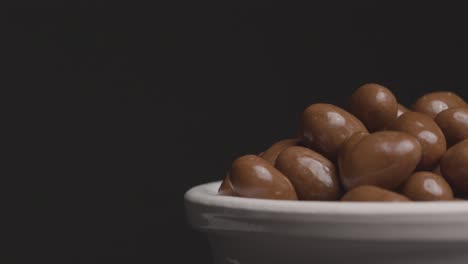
column 118, row 113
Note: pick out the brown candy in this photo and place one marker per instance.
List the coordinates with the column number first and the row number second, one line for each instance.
column 226, row 187
column 454, row 166
column 325, row 127
column 370, row 166
column 427, row 132
column 384, row 159
column 254, row 177
column 367, row 193
column 374, row 105
column 350, row 143
column 272, row 152
column 432, row 104
column 314, row 177
column 401, row 110
column 454, row 124
column 427, row 186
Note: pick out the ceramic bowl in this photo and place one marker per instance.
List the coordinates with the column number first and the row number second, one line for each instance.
column 247, row 231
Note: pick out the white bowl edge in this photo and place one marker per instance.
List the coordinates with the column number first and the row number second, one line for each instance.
column 435, row 221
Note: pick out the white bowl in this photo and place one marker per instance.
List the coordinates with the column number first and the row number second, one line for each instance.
column 247, row 231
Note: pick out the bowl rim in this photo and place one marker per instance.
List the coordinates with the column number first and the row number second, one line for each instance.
column 372, row 221
column 206, row 195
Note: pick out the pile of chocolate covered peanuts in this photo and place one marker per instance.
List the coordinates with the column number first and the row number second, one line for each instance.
column 375, row 150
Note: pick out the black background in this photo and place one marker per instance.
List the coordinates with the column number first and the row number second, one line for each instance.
column 116, row 114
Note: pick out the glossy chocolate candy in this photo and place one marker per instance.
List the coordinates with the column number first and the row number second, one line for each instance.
column 427, row 186
column 454, row 166
column 427, row 132
column 254, row 177
column 384, row 159
column 325, row 127
column 374, row 105
column 454, row 124
column 314, row 177
column 432, row 104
